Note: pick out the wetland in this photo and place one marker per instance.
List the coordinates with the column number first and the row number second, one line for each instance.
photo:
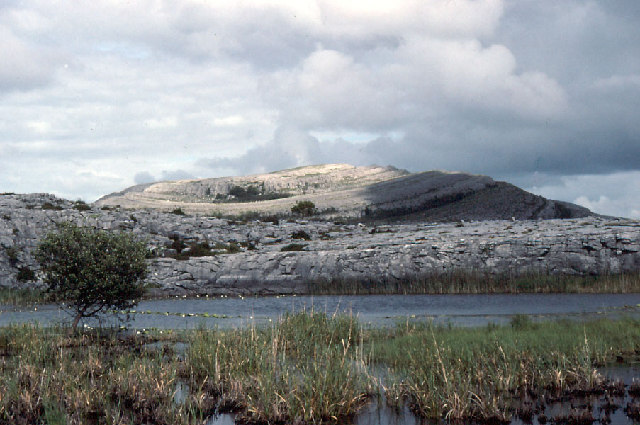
column 325, row 364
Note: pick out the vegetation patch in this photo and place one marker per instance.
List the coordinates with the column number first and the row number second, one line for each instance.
column 184, row 251
column 293, row 247
column 92, row 271
column 301, row 234
column 50, row 206
column 25, row 274
column 12, row 255
column 249, row 193
column 491, row 374
column 306, row 368
column 304, row 208
column 81, row 206
column 461, row 282
column 13, row 296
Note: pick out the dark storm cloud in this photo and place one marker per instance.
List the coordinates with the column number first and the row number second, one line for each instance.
column 574, row 41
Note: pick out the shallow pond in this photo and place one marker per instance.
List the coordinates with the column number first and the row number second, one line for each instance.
column 374, row 310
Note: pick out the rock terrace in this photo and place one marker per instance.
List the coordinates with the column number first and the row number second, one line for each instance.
column 249, row 258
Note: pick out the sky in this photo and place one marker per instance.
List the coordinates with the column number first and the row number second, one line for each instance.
column 97, row 96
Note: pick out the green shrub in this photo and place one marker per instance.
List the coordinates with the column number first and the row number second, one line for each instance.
column 81, row 206
column 301, row 234
column 195, row 249
column 178, row 211
column 233, row 248
column 521, row 322
column 12, row 254
column 177, row 244
column 201, row 249
column 304, row 208
column 293, row 247
column 25, row 274
column 50, row 206
column 270, row 219
column 93, row 271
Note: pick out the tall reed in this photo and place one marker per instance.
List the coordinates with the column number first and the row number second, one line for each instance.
column 470, row 374
column 478, row 282
column 306, row 368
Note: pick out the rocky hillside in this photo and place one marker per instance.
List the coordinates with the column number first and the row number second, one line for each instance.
column 205, row 255
column 341, row 190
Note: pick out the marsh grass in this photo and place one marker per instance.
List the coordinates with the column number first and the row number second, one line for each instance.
column 305, row 368
column 476, row 374
column 458, row 282
column 49, row 375
column 12, row 296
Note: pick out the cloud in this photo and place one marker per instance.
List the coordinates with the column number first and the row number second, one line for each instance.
column 143, row 177
column 617, row 194
column 175, row 175
column 217, row 87
column 24, row 66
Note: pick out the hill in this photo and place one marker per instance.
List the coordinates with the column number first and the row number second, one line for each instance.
column 342, row 190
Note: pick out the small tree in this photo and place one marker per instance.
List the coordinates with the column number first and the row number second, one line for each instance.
column 93, row 271
column 306, row 208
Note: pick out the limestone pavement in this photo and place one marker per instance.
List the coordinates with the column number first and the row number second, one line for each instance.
column 335, row 251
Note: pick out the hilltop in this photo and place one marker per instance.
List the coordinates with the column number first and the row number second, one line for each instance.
column 342, row 190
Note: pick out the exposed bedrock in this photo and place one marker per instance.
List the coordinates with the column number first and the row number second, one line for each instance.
column 249, row 258
column 343, row 190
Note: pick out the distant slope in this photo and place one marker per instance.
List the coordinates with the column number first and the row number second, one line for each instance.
column 347, row 191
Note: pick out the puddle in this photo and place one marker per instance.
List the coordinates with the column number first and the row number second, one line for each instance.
column 378, row 413
column 223, row 419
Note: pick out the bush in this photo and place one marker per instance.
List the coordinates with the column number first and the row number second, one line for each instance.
column 25, row 274
column 92, row 271
column 293, row 247
column 12, row 254
column 81, row 206
column 178, row 211
column 304, row 208
column 521, row 322
column 50, row 206
column 301, row 234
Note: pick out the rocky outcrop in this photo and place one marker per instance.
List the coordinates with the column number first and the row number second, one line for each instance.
column 248, row 257
column 342, row 190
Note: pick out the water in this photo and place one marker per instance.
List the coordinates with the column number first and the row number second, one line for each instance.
column 374, row 310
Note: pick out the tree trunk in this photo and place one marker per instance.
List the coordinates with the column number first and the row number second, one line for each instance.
column 76, row 320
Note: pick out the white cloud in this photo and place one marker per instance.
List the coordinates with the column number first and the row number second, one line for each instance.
column 24, row 66
column 166, row 122
column 229, row 121
column 157, row 87
column 616, row 194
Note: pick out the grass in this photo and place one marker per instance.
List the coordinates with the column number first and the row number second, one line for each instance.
column 480, row 283
column 473, row 374
column 305, row 368
column 22, row 296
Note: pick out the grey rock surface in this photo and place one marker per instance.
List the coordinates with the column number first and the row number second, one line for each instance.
column 590, row 245
column 342, row 190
